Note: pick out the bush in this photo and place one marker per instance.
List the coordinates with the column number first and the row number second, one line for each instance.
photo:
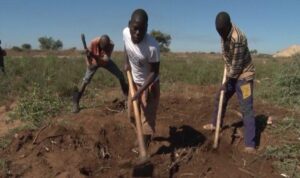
column 26, row 46
column 16, row 48
column 163, row 39
column 288, row 83
column 287, row 158
column 37, row 105
column 48, row 43
column 279, row 81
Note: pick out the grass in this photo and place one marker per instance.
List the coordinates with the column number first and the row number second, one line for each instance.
column 43, row 88
column 4, row 142
column 3, row 166
column 38, row 105
column 280, row 82
column 286, row 153
column 286, row 158
column 40, row 83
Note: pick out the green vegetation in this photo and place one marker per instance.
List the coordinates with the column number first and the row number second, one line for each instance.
column 48, row 43
column 277, row 81
column 37, row 105
column 26, row 46
column 16, row 48
column 3, row 142
column 43, row 88
column 280, row 82
column 287, row 158
column 287, row 152
column 3, row 165
column 163, row 39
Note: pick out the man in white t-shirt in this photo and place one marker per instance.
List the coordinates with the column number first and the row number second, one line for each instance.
column 143, row 59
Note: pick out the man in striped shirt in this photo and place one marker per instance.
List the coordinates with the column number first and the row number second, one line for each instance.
column 239, row 77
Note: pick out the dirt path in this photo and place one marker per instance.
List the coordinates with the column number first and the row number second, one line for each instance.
column 98, row 142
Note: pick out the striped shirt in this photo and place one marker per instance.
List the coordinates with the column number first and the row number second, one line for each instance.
column 236, row 55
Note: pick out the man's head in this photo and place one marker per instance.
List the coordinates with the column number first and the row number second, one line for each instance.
column 104, row 42
column 223, row 24
column 138, row 25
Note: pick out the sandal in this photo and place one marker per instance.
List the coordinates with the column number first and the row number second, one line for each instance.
column 250, row 150
column 209, row 127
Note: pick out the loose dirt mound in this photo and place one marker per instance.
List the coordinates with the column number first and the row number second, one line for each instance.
column 288, row 52
column 98, row 143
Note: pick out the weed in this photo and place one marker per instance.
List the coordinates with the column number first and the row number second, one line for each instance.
column 287, row 158
column 38, row 105
column 281, row 82
column 3, row 165
column 4, row 142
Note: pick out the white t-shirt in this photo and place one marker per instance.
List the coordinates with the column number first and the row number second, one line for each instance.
column 140, row 55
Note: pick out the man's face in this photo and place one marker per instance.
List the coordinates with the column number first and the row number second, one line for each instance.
column 224, row 31
column 138, row 30
column 103, row 45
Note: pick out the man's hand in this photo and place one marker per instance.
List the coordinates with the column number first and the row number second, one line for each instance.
column 229, row 84
column 136, row 96
column 105, row 58
column 224, row 86
column 126, row 67
column 88, row 53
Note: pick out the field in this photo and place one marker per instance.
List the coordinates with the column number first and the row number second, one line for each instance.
column 39, row 137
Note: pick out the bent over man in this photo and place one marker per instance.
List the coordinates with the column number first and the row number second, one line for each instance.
column 239, row 78
column 99, row 55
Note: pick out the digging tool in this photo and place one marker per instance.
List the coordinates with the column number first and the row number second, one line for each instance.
column 86, row 51
column 129, row 108
column 217, row 131
column 142, row 149
column 143, row 168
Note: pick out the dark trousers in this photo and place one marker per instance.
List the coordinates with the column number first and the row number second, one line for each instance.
column 2, row 69
column 244, row 91
column 112, row 68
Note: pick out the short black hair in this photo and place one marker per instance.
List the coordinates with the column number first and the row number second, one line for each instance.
column 104, row 41
column 223, row 20
column 140, row 14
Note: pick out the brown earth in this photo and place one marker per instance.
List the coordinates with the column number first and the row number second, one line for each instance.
column 98, row 142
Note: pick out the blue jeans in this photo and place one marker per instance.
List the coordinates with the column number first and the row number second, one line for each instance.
column 112, row 68
column 244, row 91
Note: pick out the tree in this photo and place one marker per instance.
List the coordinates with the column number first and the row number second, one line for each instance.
column 163, row 39
column 57, row 45
column 26, row 46
column 48, row 43
column 16, row 48
column 254, row 51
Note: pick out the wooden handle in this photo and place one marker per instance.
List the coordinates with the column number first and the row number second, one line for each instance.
column 218, row 124
column 137, row 116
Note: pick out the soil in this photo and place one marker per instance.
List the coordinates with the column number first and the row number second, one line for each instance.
column 99, row 142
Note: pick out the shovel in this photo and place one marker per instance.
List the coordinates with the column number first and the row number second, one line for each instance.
column 217, row 131
column 137, row 116
column 143, row 168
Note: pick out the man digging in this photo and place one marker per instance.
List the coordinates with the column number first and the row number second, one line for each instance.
column 142, row 58
column 99, row 55
column 239, row 78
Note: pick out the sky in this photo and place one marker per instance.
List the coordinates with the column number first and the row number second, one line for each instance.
column 270, row 25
